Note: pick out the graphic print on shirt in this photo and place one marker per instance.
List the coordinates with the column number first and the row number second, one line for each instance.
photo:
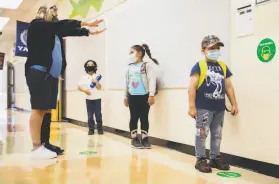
column 93, row 84
column 136, row 86
column 214, row 79
column 134, row 78
column 86, row 83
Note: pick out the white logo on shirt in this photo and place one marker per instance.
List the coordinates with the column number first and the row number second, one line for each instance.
column 213, row 78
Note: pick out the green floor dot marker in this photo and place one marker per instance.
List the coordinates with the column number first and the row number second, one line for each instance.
column 229, row 174
column 88, row 153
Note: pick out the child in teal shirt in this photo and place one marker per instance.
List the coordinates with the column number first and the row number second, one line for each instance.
column 139, row 93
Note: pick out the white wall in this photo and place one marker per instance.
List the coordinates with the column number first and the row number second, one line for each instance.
column 252, row 133
column 170, row 30
column 22, row 97
column 169, row 119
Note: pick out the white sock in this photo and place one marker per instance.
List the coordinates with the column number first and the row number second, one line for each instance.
column 134, row 134
column 144, row 134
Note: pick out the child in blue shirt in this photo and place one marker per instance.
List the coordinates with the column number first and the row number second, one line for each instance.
column 207, row 104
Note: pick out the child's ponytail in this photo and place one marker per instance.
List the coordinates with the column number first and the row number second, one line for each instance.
column 147, row 50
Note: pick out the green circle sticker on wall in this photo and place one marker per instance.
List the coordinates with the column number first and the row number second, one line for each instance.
column 266, row 50
column 88, row 153
column 229, row 174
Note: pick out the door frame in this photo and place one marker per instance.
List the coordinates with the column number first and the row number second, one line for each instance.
column 10, row 84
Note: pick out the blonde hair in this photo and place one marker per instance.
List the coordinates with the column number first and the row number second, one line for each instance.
column 44, row 13
column 53, row 10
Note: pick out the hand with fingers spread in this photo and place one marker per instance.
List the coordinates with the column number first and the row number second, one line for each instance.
column 92, row 24
column 96, row 32
column 95, row 23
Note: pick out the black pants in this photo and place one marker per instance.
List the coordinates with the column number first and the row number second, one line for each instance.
column 139, row 109
column 94, row 107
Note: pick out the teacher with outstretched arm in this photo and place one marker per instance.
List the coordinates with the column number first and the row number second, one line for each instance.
column 45, row 63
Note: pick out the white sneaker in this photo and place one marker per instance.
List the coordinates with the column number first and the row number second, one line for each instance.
column 43, row 153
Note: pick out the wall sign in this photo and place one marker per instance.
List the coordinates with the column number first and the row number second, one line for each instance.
column 266, row 50
column 245, row 21
column 21, row 39
column 263, row 1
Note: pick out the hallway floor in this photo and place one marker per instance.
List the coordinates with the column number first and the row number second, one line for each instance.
column 111, row 160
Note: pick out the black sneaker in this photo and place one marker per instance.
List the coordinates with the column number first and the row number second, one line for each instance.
column 146, row 143
column 53, row 148
column 100, row 132
column 91, row 132
column 136, row 143
column 219, row 163
column 203, row 166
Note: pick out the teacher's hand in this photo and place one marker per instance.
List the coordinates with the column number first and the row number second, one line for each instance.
column 97, row 32
column 95, row 23
column 92, row 24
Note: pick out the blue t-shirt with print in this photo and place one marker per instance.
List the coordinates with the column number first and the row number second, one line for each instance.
column 136, row 86
column 211, row 94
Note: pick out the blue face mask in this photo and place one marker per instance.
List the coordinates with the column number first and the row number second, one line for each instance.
column 213, row 55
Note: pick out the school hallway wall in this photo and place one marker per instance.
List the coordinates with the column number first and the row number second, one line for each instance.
column 250, row 135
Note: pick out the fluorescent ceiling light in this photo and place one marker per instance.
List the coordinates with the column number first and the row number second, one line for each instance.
column 10, row 4
column 3, row 22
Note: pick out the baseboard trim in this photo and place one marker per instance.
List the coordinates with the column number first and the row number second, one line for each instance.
column 246, row 163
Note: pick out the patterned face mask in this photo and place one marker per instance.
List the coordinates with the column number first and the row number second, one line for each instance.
column 211, row 40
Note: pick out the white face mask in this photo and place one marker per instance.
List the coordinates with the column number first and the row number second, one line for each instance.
column 133, row 58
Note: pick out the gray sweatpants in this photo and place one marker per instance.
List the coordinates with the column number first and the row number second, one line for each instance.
column 209, row 121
